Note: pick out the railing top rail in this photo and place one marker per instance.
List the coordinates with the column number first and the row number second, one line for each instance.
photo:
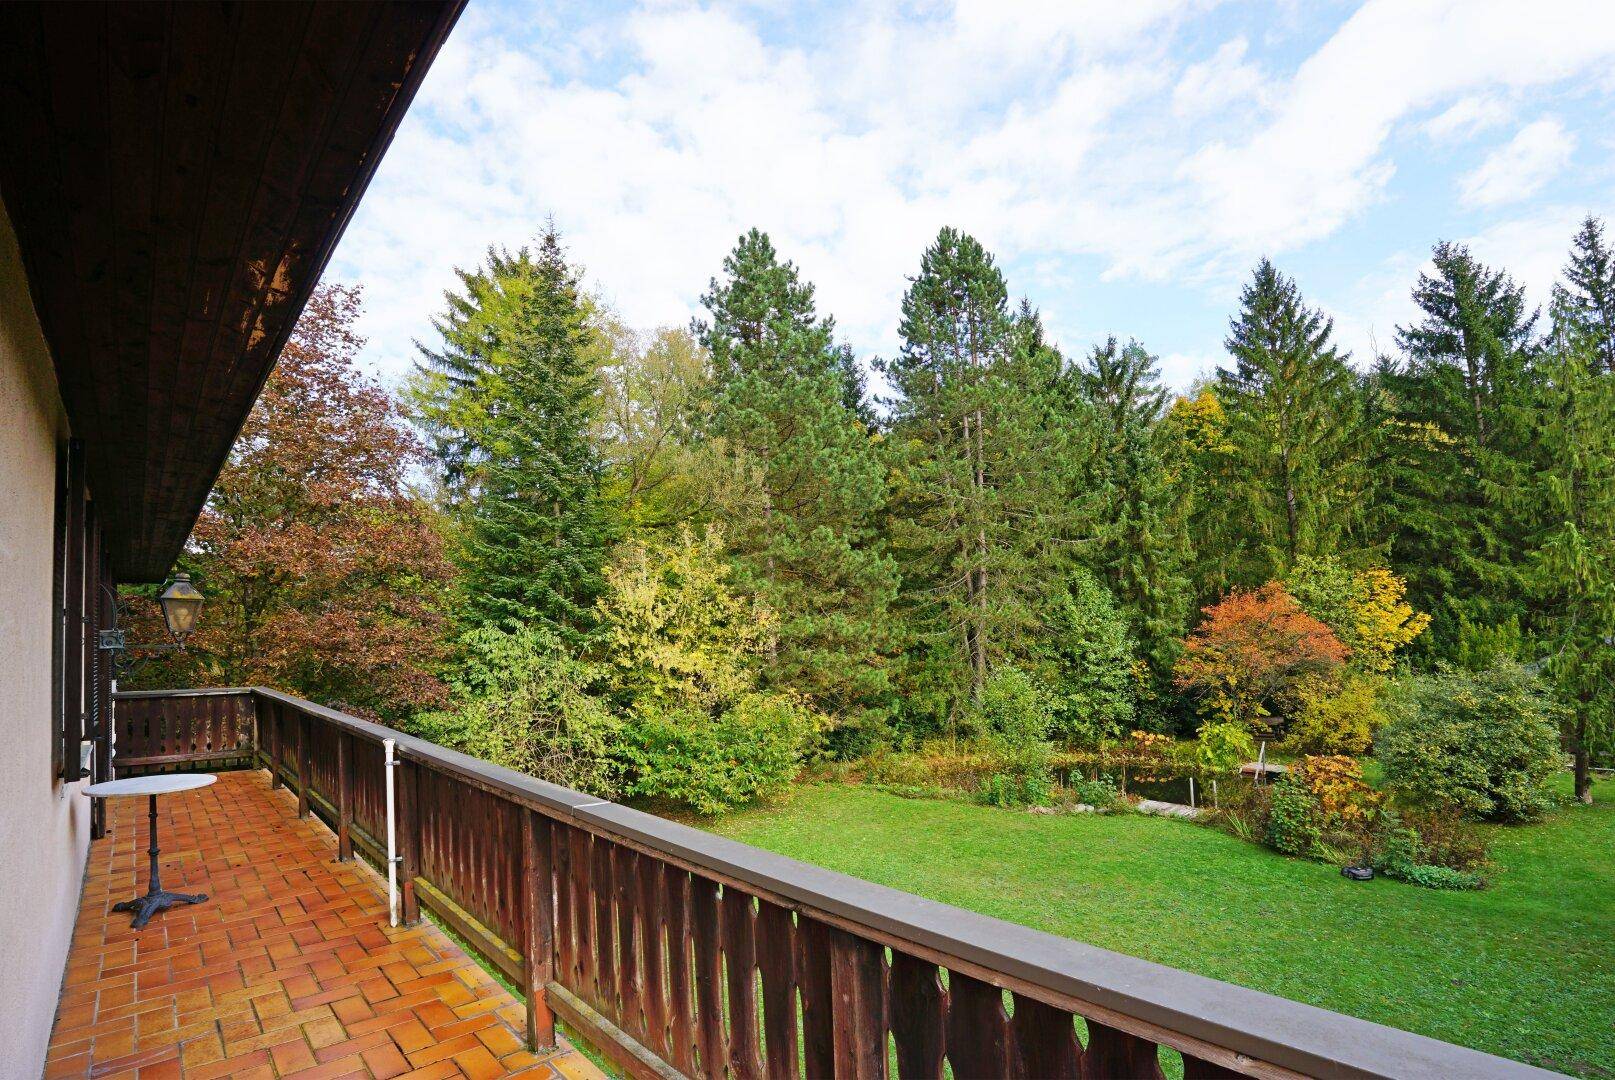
column 1262, row 1026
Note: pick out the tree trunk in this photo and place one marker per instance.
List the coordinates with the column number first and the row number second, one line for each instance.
column 1584, row 776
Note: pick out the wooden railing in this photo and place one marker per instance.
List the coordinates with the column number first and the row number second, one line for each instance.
column 156, row 731
column 677, row 952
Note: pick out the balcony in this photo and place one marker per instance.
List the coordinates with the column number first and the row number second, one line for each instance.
column 671, row 951
column 290, row 964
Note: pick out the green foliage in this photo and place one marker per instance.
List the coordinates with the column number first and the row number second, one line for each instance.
column 1402, row 853
column 708, row 764
column 522, row 701
column 1221, row 747
column 1013, row 719
column 1292, row 821
column 510, row 400
column 786, row 404
column 1090, row 658
column 1572, row 568
column 1101, row 794
column 1483, row 742
column 986, row 438
column 1454, row 442
column 675, row 632
column 1338, row 717
column 1142, row 542
column 1294, row 421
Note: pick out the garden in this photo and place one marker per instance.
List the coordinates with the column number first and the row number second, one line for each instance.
column 1523, row 968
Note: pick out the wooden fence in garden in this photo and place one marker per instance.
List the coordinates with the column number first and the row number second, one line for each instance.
column 676, row 952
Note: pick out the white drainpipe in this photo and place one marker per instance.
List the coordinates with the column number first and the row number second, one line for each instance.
column 392, row 837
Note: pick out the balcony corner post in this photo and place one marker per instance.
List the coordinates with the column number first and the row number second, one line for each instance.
column 538, row 900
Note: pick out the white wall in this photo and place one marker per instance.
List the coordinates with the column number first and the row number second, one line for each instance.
column 44, row 824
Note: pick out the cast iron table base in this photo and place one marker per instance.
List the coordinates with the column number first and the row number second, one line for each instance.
column 157, row 898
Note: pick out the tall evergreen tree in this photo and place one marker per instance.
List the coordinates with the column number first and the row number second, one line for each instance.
column 1458, row 426
column 1586, row 299
column 785, row 402
column 984, row 478
column 510, row 400
column 1142, row 550
column 1294, row 420
column 1573, row 558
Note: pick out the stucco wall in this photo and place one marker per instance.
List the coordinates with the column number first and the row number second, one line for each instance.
column 44, row 824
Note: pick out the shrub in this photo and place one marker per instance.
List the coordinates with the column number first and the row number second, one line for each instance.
column 1014, row 717
column 1448, row 856
column 1222, row 747
column 1485, row 742
column 1292, row 820
column 1336, row 786
column 1089, row 655
column 1442, row 877
column 1448, row 839
column 1100, row 794
column 711, row 764
column 1337, row 718
column 522, row 701
column 1014, row 790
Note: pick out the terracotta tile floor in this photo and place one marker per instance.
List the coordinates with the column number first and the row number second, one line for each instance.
column 288, row 969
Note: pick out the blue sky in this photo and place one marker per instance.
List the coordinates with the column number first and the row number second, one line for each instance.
column 1127, row 162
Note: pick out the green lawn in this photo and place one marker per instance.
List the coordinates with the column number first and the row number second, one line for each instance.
column 1525, row 969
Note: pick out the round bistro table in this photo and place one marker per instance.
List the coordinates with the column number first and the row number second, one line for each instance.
column 156, row 898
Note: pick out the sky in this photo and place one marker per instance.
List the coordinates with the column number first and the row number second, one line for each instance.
column 1127, row 163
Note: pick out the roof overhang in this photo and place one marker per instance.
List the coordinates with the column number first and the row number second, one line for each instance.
column 177, row 176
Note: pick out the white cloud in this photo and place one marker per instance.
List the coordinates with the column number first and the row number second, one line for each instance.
column 1468, row 117
column 1215, row 85
column 1320, row 161
column 1058, row 132
column 1521, row 167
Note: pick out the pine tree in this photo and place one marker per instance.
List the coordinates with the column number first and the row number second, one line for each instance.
column 985, row 485
column 785, row 401
column 510, row 400
column 1142, row 549
column 1586, row 301
column 1459, row 452
column 1294, row 420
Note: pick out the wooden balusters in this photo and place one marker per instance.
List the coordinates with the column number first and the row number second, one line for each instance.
column 407, row 795
column 709, row 1027
column 652, row 903
column 776, row 961
column 978, row 1028
column 538, row 919
column 919, row 1017
column 858, row 996
column 680, row 973
column 1116, row 1053
column 1046, row 1039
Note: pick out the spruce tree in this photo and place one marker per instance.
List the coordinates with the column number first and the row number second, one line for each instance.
column 1143, row 549
column 1460, row 450
column 785, row 401
column 511, row 399
column 1294, row 421
column 1572, row 567
column 1585, row 302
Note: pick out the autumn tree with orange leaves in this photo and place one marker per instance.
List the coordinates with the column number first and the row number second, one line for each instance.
column 323, row 572
column 1247, row 656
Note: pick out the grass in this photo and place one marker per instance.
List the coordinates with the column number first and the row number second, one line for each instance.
column 1525, row 969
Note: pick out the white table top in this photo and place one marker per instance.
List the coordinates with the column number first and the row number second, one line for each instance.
column 156, row 784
